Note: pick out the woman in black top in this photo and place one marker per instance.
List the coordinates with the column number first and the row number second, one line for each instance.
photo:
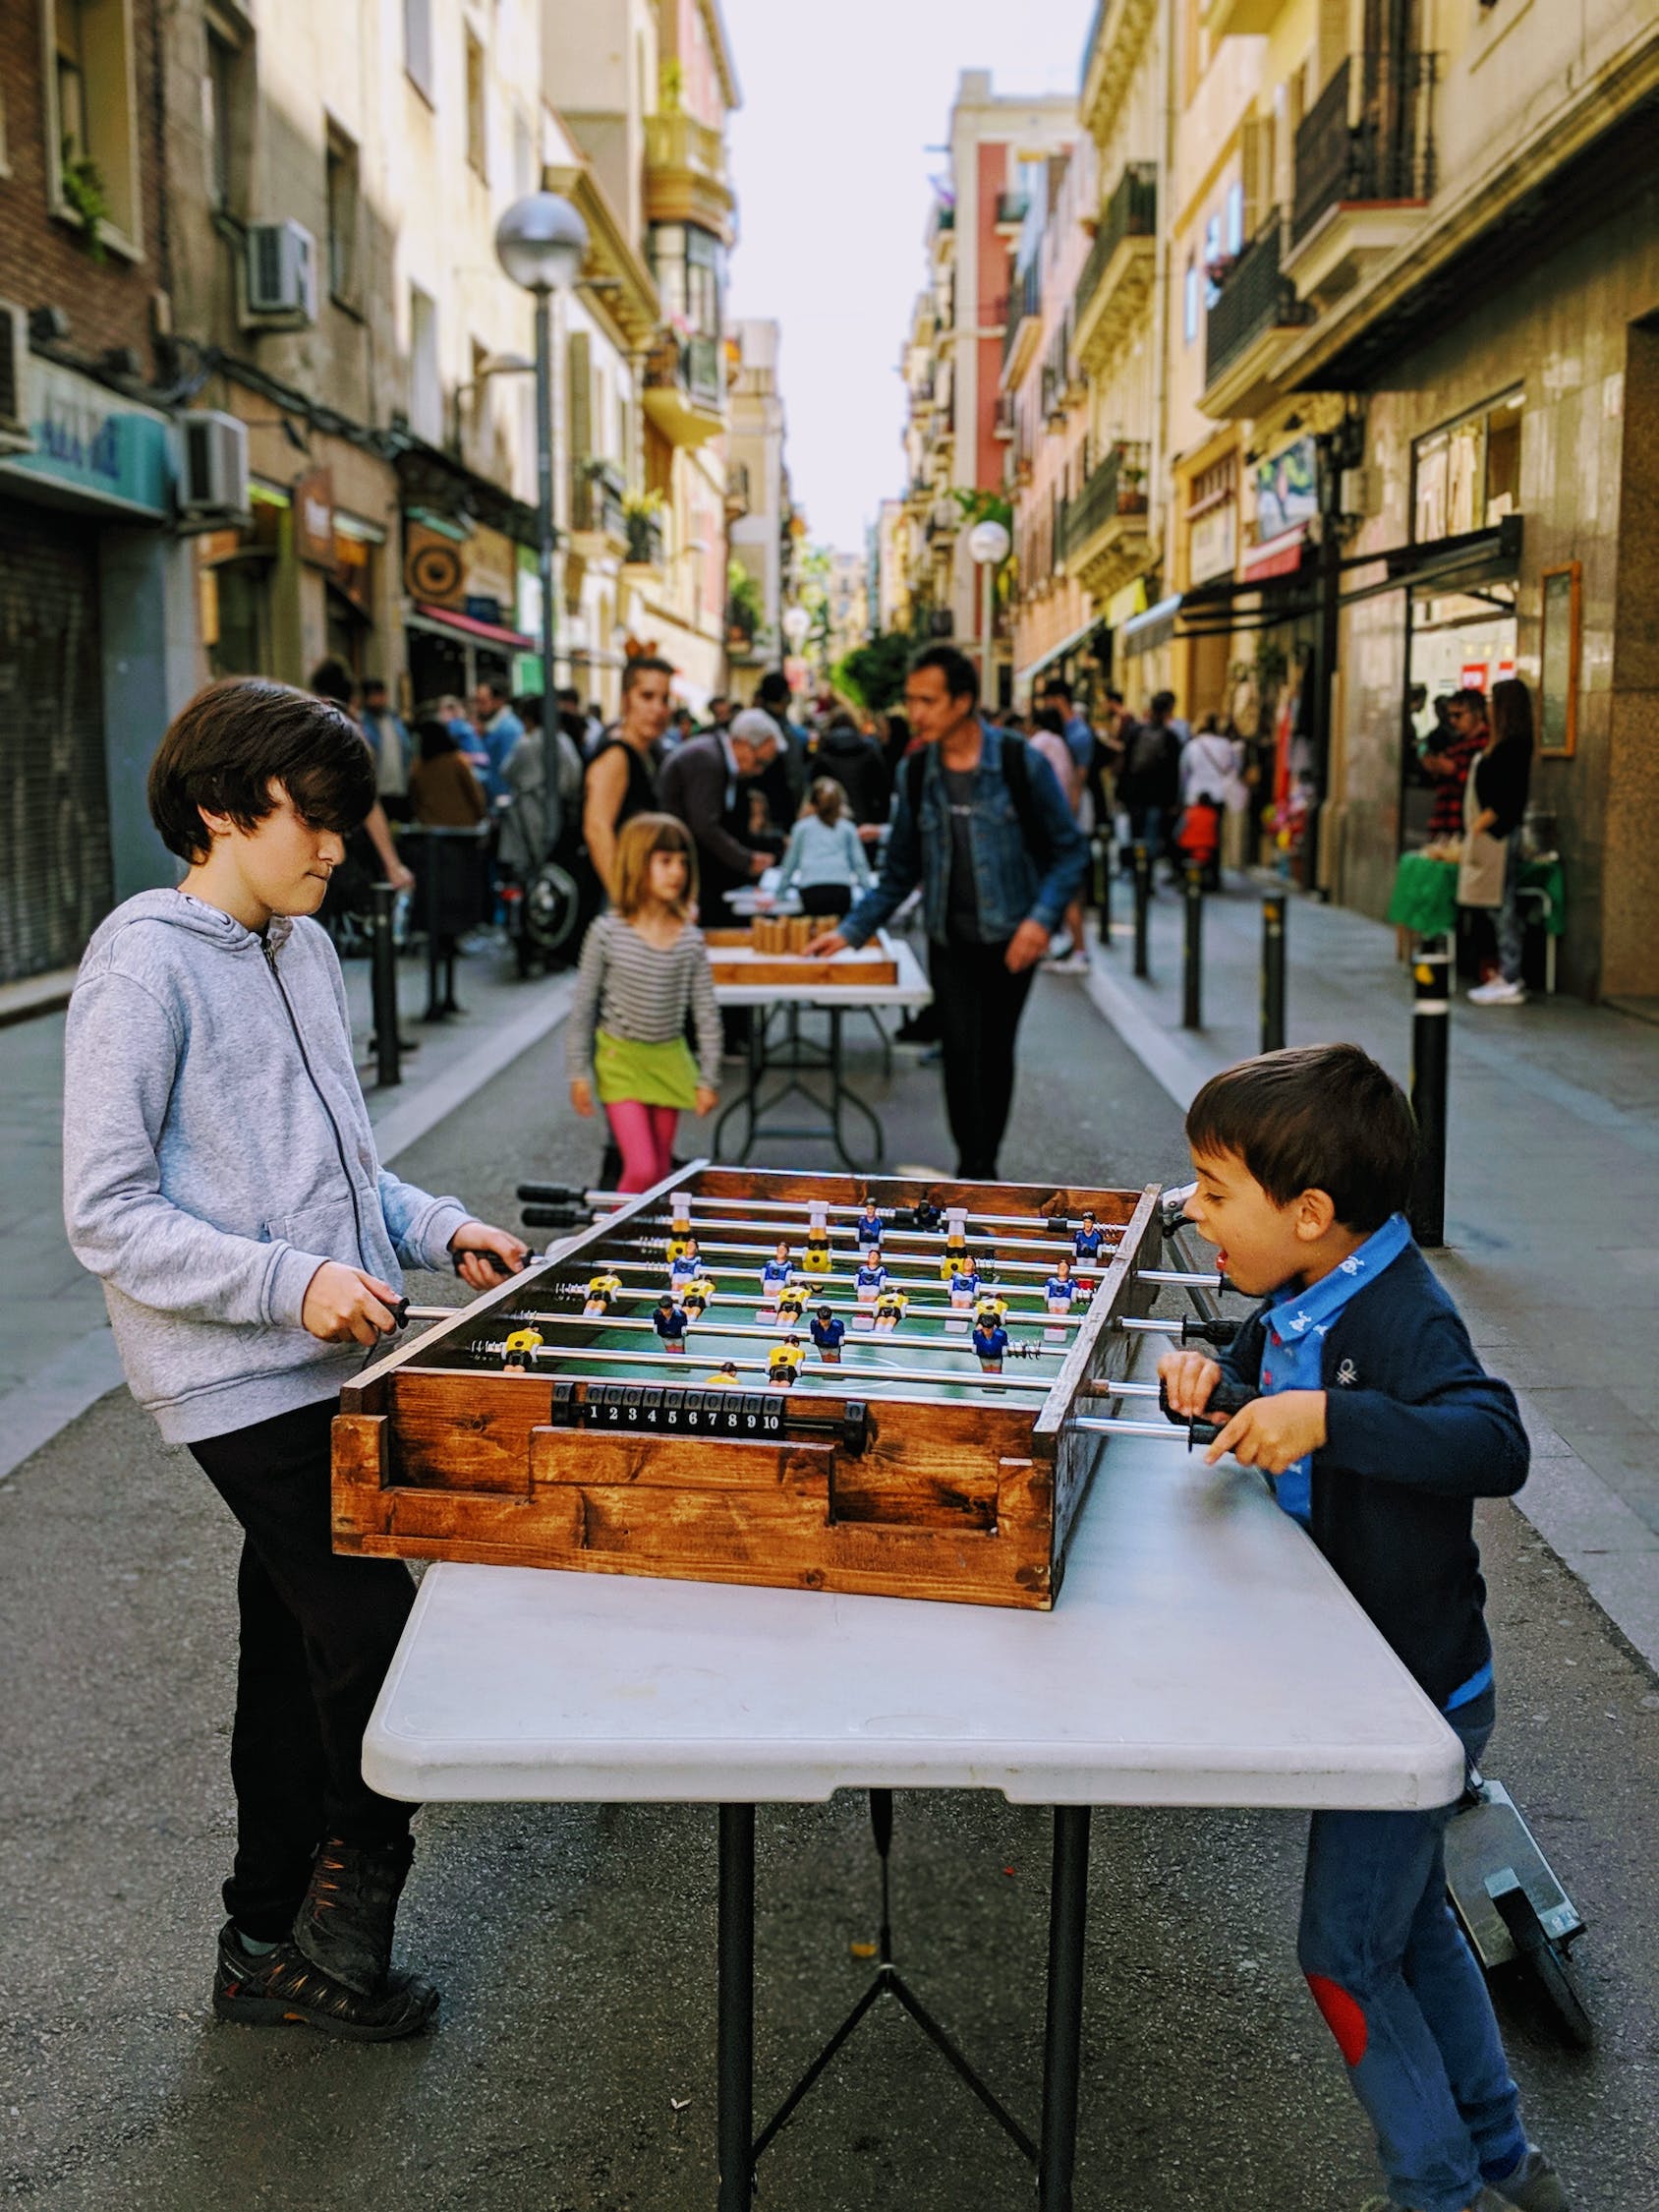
column 1495, row 805
column 621, row 777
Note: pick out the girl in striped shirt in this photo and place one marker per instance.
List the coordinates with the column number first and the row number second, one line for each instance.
column 644, row 967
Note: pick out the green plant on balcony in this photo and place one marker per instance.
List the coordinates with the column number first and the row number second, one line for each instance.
column 671, row 86
column 745, row 609
column 83, row 190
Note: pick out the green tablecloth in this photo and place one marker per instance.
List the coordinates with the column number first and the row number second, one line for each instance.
column 1425, row 893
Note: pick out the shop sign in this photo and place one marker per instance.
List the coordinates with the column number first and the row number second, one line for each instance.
column 91, row 441
column 1214, row 545
column 1286, row 490
column 1472, row 675
column 313, row 519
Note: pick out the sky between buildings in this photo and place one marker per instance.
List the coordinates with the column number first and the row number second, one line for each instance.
column 845, row 108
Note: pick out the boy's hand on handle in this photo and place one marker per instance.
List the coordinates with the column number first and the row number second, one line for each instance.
column 1188, row 1379
column 477, row 1246
column 342, row 1303
column 708, row 1097
column 827, row 946
column 582, row 1098
column 1272, row 1433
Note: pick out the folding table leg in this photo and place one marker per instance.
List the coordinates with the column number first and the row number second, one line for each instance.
column 736, row 2116
column 1068, row 1901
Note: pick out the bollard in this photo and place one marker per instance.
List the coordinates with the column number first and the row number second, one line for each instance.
column 1105, row 861
column 1431, row 1011
column 1273, row 908
column 383, row 979
column 1143, row 899
column 1192, row 949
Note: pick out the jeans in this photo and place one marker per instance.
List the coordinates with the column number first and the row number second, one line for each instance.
column 318, row 1631
column 645, row 1137
column 1511, row 929
column 1406, row 2000
column 979, row 1005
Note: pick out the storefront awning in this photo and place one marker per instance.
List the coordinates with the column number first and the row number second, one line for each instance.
column 1276, row 556
column 449, row 624
column 1058, row 652
column 1144, row 633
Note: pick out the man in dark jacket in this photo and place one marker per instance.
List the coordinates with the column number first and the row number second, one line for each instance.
column 702, row 783
column 856, row 764
column 1149, row 783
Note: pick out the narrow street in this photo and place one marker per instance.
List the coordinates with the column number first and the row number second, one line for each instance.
column 573, row 2067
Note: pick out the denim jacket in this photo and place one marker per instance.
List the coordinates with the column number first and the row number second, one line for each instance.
column 1010, row 884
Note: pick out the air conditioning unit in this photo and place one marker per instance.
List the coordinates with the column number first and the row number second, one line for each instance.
column 214, row 476
column 13, row 370
column 281, row 274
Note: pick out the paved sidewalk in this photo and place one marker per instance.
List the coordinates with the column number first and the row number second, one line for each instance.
column 1552, row 1193
column 57, row 1357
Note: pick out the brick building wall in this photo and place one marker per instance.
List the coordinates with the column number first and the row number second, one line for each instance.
column 44, row 260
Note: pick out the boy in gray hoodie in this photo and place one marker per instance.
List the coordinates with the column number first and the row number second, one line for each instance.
column 220, row 1177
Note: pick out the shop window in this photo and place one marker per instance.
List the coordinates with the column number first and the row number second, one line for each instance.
column 477, row 160
column 1467, row 475
column 342, row 204
column 92, row 126
column 418, row 45
column 425, row 383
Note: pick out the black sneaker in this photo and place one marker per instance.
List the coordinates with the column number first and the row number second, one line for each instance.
column 344, row 1926
column 280, row 1987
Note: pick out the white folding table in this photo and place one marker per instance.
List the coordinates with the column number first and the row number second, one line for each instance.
column 1201, row 1654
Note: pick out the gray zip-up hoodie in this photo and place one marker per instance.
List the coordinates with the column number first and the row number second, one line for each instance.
column 216, row 1151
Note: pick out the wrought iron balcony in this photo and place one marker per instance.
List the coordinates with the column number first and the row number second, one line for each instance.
column 646, row 541
column 1115, row 487
column 1368, row 138
column 1130, row 213
column 1025, row 304
column 595, row 501
column 1255, row 298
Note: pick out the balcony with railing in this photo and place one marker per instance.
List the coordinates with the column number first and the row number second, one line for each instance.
column 686, row 180
column 1365, row 169
column 1012, row 207
column 1022, row 323
column 646, row 539
column 1102, row 532
column 685, row 387
column 1114, row 283
column 1254, row 314
column 598, row 521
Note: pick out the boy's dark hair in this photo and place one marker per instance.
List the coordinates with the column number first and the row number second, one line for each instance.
column 1314, row 1118
column 961, row 677
column 226, row 749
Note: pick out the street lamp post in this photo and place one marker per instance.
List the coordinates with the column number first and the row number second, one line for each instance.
column 987, row 545
column 542, row 243
column 796, row 623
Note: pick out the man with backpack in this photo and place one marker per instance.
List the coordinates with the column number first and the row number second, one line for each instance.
column 981, row 824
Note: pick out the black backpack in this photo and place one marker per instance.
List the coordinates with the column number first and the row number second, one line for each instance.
column 1016, row 773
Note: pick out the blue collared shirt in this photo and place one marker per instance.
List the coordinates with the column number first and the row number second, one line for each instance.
column 1298, row 1324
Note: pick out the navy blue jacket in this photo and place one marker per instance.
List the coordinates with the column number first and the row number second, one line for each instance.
column 1416, row 1430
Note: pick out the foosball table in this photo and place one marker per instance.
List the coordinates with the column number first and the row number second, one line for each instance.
column 728, row 1379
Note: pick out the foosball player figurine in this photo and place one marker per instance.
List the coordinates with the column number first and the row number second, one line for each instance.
column 602, row 1290
column 956, row 1255
column 870, row 1277
column 828, row 1331
column 685, row 1264
column 669, row 1323
column 724, row 1378
column 783, row 1364
column 991, row 1312
column 889, row 1310
column 791, row 1305
column 989, row 1340
column 774, row 1274
column 870, row 1227
column 817, row 1257
column 694, row 1298
column 966, row 1286
column 520, row 1348
column 681, row 1237
column 1086, row 1241
column 1060, row 1290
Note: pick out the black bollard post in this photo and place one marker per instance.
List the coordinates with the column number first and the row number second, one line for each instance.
column 384, row 954
column 1192, row 949
column 1431, row 1012
column 1106, row 858
column 1143, row 899
column 1273, row 908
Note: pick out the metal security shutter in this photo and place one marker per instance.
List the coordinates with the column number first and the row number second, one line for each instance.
column 55, row 878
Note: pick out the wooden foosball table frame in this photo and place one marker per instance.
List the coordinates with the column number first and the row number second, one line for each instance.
column 847, row 1481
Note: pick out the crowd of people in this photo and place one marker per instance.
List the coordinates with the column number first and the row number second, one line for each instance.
column 1478, row 757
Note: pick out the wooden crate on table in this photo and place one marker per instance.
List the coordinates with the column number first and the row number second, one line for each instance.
column 735, row 959
column 623, row 1462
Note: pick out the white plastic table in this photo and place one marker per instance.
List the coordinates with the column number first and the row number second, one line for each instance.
column 1201, row 1653
column 800, row 1055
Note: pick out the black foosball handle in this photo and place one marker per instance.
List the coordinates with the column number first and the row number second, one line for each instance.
column 550, row 1194
column 556, row 1218
column 1218, row 1334
column 1227, row 1399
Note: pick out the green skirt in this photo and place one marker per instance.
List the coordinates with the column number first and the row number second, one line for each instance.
column 656, row 1074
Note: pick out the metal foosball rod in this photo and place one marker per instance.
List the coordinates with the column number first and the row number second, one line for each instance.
column 890, row 1261
column 958, row 1314
column 838, row 1305
column 684, row 1361
column 816, row 1296
column 559, row 1193
column 771, row 1335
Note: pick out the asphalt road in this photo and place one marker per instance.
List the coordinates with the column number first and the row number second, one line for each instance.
column 573, row 2070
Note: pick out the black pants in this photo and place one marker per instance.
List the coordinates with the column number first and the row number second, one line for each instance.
column 826, row 898
column 979, row 1006
column 318, row 1631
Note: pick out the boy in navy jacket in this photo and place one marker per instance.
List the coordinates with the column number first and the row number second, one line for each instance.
column 1380, row 1429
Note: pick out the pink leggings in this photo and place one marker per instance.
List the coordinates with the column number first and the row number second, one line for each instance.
column 645, row 1137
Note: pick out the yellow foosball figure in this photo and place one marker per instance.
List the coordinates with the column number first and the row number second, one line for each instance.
column 783, row 1364
column 817, row 1255
column 990, row 1312
column 791, row 1305
column 889, row 1310
column 724, row 1378
column 679, row 1229
column 520, row 1348
column 694, row 1298
column 955, row 1253
column 602, row 1290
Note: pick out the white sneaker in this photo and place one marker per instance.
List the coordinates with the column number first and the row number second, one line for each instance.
column 1498, row 993
column 1074, row 964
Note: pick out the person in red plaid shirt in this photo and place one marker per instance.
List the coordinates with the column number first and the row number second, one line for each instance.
column 1465, row 715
